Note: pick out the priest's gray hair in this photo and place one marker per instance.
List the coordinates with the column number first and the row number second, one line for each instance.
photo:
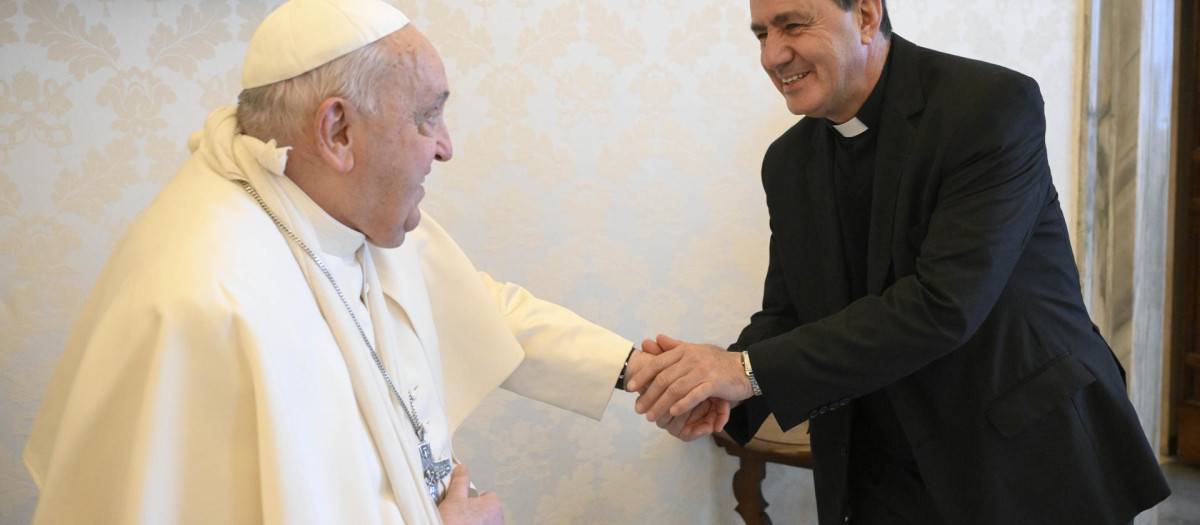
column 282, row 109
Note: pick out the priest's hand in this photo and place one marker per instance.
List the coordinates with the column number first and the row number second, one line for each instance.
column 679, row 379
column 709, row 416
column 458, row 508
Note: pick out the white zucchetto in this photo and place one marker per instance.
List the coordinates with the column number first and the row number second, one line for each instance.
column 302, row 35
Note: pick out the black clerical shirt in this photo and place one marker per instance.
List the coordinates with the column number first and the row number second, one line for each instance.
column 884, row 477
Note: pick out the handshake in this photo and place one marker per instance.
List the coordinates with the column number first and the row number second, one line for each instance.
column 688, row 389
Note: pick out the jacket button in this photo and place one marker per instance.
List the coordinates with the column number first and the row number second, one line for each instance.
column 825, row 410
column 813, row 414
column 845, row 401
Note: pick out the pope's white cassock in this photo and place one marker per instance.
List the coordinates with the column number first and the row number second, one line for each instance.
column 215, row 376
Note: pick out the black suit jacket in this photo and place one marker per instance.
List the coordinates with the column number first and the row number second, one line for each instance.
column 973, row 326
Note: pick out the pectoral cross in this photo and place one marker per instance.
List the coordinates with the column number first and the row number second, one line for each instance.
column 435, row 471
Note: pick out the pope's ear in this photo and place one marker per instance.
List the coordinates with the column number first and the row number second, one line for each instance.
column 333, row 134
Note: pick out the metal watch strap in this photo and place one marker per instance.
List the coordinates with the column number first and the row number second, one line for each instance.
column 750, row 373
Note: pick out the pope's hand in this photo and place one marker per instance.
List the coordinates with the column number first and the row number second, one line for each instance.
column 707, row 417
column 678, row 380
column 458, row 508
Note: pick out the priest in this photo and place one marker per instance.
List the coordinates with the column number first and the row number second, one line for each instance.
column 282, row 336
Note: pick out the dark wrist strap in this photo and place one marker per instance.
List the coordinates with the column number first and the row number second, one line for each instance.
column 621, row 378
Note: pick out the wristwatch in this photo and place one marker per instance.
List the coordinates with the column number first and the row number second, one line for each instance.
column 750, row 373
column 621, row 378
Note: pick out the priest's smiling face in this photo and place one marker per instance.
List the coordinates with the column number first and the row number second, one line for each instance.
column 403, row 139
column 815, row 54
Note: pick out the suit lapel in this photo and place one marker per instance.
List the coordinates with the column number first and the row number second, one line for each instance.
column 902, row 100
column 824, row 242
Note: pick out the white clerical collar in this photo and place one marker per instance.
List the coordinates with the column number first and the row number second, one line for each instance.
column 851, row 128
column 335, row 238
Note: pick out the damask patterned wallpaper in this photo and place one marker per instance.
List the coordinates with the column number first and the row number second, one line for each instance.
column 606, row 156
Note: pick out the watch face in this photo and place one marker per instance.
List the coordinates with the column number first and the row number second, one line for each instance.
column 750, row 374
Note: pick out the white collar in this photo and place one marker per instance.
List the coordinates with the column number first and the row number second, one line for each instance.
column 851, row 128
column 334, row 237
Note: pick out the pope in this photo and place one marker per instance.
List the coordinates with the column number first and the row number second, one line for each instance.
column 283, row 336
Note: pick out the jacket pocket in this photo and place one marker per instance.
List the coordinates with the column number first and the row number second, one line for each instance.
column 1038, row 394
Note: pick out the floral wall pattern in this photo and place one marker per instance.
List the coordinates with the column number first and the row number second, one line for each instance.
column 606, row 157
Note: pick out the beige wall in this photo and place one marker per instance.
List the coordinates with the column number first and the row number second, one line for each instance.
column 606, row 155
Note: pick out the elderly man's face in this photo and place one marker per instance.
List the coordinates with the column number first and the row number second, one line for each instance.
column 814, row 53
column 403, row 140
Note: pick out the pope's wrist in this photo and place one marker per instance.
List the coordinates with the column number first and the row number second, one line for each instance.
column 621, row 378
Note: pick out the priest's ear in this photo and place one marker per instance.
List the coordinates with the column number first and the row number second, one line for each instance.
column 333, row 134
column 869, row 16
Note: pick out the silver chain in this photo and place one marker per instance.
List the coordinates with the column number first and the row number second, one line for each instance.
column 411, row 413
